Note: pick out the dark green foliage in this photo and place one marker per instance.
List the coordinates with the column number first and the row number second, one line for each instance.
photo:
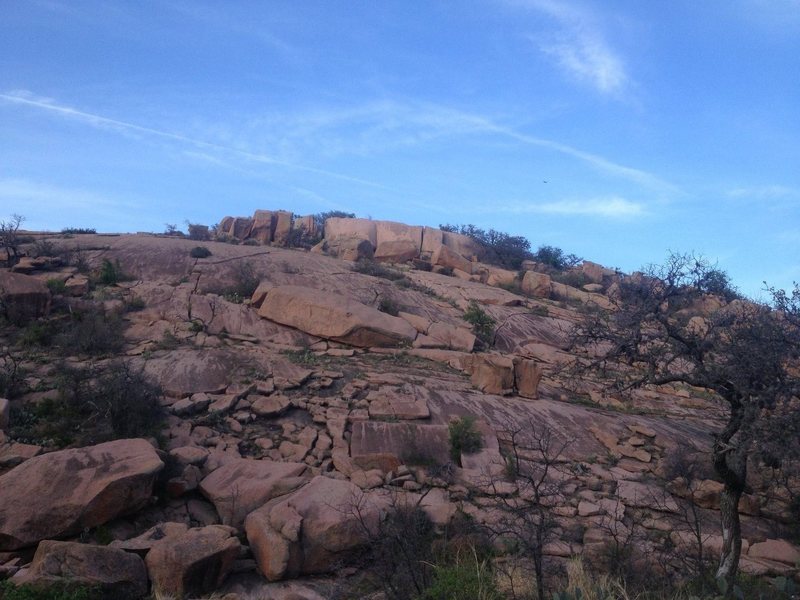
column 464, row 437
column 110, row 273
column 367, row 266
column 94, row 405
column 58, row 591
column 389, row 306
column 320, row 218
column 93, row 332
column 555, row 258
column 482, row 323
column 200, row 252
column 464, row 580
column 56, row 286
column 502, row 249
column 715, row 281
column 198, row 232
column 78, row 230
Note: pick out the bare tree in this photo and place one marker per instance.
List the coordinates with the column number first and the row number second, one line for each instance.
column 668, row 328
column 534, row 464
column 10, row 238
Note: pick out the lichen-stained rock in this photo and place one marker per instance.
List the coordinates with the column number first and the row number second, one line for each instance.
column 493, row 373
column 242, row 485
column 22, row 297
column 350, row 248
column 62, row 493
column 334, row 317
column 142, row 544
column 397, row 251
column 263, row 226
column 118, row 574
column 313, row 529
column 194, row 563
column 377, row 444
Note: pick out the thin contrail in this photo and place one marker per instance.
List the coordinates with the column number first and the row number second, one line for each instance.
column 95, row 119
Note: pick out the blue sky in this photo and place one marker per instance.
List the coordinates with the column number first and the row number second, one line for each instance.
column 616, row 130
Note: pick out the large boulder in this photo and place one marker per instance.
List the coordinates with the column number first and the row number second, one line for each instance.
column 22, row 297
column 776, row 550
column 283, row 227
column 194, row 563
column 445, row 257
column 118, row 574
column 432, row 240
column 350, row 248
column 62, row 493
column 396, row 251
column 343, row 228
column 242, row 485
column 397, row 242
column 492, row 373
column 335, row 317
column 536, row 284
column 385, row 445
column 262, row 227
column 527, row 374
column 463, row 245
column 313, row 529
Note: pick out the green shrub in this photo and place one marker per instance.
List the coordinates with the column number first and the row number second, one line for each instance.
column 55, row 591
column 389, row 306
column 78, row 230
column 464, row 437
column 200, row 252
column 111, row 272
column 555, row 258
column 92, row 332
column 465, row 580
column 482, row 323
column 56, row 286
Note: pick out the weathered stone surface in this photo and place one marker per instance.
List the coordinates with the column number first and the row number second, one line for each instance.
column 269, row 406
column 397, row 251
column 407, row 402
column 263, row 226
column 463, row 245
column 635, row 493
column 313, row 529
column 61, row 493
column 561, row 291
column 142, row 544
column 536, row 284
column 341, row 228
column 451, row 337
column 186, row 372
column 350, row 248
column 776, row 550
column 115, row 572
column 335, row 317
column 283, row 227
column 527, row 375
column 194, row 563
column 23, row 297
column 5, row 413
column 493, row 373
column 77, row 285
column 446, row 257
column 373, row 442
column 594, row 272
column 432, row 239
column 242, row 485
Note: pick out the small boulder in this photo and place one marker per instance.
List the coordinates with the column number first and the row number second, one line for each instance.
column 776, row 550
column 118, row 574
column 23, row 297
column 194, row 563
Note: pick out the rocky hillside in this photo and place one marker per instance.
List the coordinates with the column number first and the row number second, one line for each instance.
column 253, row 419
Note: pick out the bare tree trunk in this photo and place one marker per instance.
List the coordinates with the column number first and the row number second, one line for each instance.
column 731, row 535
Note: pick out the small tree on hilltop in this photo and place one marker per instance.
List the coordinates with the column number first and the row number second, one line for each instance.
column 668, row 329
column 10, row 238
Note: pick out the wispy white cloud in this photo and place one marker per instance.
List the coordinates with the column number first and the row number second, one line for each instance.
column 763, row 192
column 612, row 207
column 579, row 46
column 26, row 98
column 366, row 129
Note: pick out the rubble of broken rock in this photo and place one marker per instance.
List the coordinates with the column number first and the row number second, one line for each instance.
column 284, row 412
